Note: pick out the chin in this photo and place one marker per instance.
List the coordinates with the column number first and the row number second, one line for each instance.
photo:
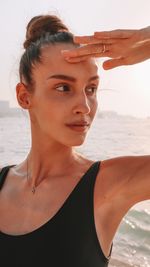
column 76, row 142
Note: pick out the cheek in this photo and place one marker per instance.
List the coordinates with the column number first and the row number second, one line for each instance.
column 93, row 106
column 55, row 112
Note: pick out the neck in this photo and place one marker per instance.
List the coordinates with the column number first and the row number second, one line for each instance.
column 49, row 161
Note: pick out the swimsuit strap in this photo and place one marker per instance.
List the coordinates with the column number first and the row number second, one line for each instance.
column 3, row 174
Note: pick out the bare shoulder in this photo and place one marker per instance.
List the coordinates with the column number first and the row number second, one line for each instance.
column 124, row 167
column 126, row 176
column 112, row 177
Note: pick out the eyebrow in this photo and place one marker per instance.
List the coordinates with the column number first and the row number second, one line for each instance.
column 70, row 78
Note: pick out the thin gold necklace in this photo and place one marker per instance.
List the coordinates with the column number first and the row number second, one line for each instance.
column 33, row 187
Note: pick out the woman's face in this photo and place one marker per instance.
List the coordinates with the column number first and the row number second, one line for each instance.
column 64, row 101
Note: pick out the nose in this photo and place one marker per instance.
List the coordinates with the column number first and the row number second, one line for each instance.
column 82, row 104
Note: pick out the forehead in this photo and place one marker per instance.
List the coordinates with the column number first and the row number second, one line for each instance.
column 53, row 62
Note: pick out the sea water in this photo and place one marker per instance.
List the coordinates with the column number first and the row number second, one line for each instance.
column 110, row 136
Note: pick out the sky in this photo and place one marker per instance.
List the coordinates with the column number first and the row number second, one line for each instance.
column 125, row 90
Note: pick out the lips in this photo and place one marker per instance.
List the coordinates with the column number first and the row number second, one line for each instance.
column 80, row 126
column 79, row 123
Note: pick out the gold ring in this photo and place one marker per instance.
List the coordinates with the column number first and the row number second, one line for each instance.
column 104, row 48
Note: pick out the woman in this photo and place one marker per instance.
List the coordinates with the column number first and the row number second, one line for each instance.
column 57, row 207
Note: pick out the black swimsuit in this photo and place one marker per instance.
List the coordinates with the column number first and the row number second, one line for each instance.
column 68, row 239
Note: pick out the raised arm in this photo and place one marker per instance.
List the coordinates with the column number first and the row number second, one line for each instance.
column 123, row 47
column 130, row 177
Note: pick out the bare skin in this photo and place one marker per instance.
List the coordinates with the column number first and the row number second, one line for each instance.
column 54, row 167
column 122, row 47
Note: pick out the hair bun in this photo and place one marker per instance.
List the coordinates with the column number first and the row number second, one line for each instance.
column 40, row 25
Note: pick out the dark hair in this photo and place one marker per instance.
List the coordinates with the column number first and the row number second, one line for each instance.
column 41, row 31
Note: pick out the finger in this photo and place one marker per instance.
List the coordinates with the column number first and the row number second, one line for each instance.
column 114, row 34
column 92, row 40
column 83, row 58
column 77, row 59
column 113, row 63
column 77, row 52
column 85, row 39
column 83, row 51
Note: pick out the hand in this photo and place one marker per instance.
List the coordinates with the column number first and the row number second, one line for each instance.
column 124, row 47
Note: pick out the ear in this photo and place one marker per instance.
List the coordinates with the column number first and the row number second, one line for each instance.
column 23, row 95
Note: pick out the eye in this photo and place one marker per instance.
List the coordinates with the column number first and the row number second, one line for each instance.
column 92, row 89
column 63, row 88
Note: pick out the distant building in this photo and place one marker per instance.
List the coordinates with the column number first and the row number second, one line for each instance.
column 6, row 111
column 4, row 106
column 107, row 114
